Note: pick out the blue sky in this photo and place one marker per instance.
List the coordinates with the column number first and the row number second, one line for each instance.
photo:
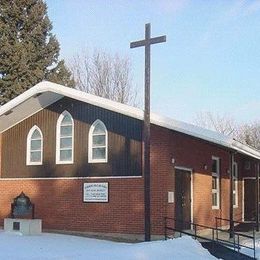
column 211, row 61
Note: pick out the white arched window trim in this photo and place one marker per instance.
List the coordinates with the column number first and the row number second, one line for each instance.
column 58, row 138
column 28, row 146
column 90, row 146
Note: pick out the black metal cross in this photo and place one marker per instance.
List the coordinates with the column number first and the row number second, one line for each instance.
column 147, row 42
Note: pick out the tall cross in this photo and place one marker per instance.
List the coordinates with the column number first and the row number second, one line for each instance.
column 147, row 42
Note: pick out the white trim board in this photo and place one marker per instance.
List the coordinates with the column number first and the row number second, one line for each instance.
column 46, row 93
column 70, row 178
column 183, row 168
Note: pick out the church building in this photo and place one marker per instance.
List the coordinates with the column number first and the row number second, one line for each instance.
column 79, row 158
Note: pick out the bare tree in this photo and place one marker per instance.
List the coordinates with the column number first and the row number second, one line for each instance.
column 250, row 134
column 221, row 124
column 105, row 75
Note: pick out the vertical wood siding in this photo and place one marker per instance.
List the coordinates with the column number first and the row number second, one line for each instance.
column 124, row 143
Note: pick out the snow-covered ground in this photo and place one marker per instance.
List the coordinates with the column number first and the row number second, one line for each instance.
column 54, row 246
column 250, row 252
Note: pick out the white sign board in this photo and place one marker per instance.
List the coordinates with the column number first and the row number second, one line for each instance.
column 95, row 192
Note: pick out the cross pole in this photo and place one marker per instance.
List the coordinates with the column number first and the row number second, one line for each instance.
column 147, row 42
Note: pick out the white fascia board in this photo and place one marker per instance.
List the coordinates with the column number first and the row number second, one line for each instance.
column 246, row 149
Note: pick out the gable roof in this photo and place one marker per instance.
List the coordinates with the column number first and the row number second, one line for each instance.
column 46, row 93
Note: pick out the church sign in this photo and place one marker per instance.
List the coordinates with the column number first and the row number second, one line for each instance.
column 95, row 192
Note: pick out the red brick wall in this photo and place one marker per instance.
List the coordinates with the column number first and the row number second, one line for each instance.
column 191, row 153
column 59, row 204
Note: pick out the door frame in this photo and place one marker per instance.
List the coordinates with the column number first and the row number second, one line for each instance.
column 243, row 195
column 191, row 188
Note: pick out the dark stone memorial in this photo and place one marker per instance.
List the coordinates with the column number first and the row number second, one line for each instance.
column 22, row 217
column 22, row 207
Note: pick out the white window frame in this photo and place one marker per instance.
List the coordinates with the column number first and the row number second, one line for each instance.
column 235, row 184
column 217, row 190
column 28, row 146
column 58, row 138
column 90, row 143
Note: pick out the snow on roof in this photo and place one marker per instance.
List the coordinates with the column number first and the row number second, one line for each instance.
column 46, row 93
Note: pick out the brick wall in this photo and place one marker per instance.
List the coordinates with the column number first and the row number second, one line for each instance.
column 191, row 153
column 59, row 204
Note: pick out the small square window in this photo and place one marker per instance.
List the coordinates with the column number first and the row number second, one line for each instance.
column 214, row 165
column 99, row 153
column 214, row 199
column 66, row 142
column 66, row 155
column 35, row 156
column 99, row 140
column 214, row 182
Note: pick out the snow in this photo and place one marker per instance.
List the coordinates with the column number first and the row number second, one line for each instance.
column 56, row 246
column 250, row 252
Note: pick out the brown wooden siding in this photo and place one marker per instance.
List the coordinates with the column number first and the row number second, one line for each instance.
column 124, row 143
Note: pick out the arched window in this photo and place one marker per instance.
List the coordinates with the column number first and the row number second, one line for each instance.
column 64, row 139
column 34, row 146
column 97, row 150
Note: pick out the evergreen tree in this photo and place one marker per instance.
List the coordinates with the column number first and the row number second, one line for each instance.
column 28, row 50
